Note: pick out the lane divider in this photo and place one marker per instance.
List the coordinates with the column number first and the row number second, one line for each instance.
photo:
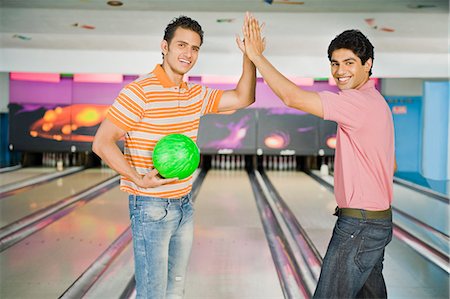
column 304, row 249
column 10, row 168
column 21, row 186
column 289, row 269
column 22, row 228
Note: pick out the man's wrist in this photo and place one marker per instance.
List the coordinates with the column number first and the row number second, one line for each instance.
column 257, row 59
column 137, row 179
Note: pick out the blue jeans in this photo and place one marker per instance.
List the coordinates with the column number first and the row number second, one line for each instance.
column 162, row 240
column 353, row 264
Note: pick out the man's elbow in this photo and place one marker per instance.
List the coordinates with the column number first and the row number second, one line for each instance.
column 96, row 146
column 288, row 101
column 251, row 101
column 245, row 102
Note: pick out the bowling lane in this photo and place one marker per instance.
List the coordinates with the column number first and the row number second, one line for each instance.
column 230, row 256
column 16, row 206
column 407, row 274
column 45, row 264
column 310, row 202
column 24, row 174
column 425, row 208
column 114, row 280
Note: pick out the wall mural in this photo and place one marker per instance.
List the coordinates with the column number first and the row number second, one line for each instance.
column 63, row 116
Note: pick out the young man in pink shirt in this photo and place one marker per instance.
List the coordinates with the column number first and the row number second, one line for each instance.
column 364, row 163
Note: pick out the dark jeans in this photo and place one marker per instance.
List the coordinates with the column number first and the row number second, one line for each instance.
column 353, row 264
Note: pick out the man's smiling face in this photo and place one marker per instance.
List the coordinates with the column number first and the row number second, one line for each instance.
column 348, row 70
column 182, row 52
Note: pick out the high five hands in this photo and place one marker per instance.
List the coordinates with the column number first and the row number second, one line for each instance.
column 253, row 44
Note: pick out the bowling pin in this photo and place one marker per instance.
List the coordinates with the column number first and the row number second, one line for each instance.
column 227, row 163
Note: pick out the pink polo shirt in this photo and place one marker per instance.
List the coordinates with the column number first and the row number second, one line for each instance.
column 364, row 159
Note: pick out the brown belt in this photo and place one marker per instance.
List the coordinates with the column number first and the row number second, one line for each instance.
column 363, row 214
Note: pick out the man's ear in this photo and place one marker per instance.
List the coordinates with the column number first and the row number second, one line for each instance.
column 368, row 65
column 164, row 47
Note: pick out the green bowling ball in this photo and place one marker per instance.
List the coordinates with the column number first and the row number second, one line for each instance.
column 176, row 156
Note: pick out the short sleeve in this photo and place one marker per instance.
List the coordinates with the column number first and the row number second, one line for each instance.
column 128, row 108
column 347, row 108
column 211, row 100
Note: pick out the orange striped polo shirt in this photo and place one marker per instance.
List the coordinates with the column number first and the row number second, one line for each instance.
column 152, row 107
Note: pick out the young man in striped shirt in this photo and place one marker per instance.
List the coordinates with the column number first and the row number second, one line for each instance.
column 146, row 110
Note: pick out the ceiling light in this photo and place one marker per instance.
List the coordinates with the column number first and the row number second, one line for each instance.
column 84, row 26
column 225, row 20
column 420, row 6
column 22, row 37
column 284, row 2
column 114, row 3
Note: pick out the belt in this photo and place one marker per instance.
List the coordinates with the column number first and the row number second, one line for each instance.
column 363, row 214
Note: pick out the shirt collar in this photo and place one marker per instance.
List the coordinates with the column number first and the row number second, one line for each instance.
column 369, row 84
column 165, row 80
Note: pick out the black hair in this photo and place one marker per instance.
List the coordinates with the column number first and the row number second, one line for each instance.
column 355, row 41
column 183, row 22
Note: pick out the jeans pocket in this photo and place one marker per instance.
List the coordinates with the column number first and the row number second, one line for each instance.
column 345, row 229
column 189, row 206
column 131, row 209
column 373, row 242
column 153, row 212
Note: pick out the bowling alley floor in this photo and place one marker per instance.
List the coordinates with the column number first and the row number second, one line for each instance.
column 230, row 256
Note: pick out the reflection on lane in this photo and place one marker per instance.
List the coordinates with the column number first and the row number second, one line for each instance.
column 48, row 262
column 23, row 174
column 17, row 206
column 230, row 256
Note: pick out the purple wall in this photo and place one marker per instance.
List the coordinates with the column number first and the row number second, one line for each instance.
column 69, row 92
column 265, row 98
column 65, row 92
column 32, row 100
column 24, row 92
column 98, row 93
